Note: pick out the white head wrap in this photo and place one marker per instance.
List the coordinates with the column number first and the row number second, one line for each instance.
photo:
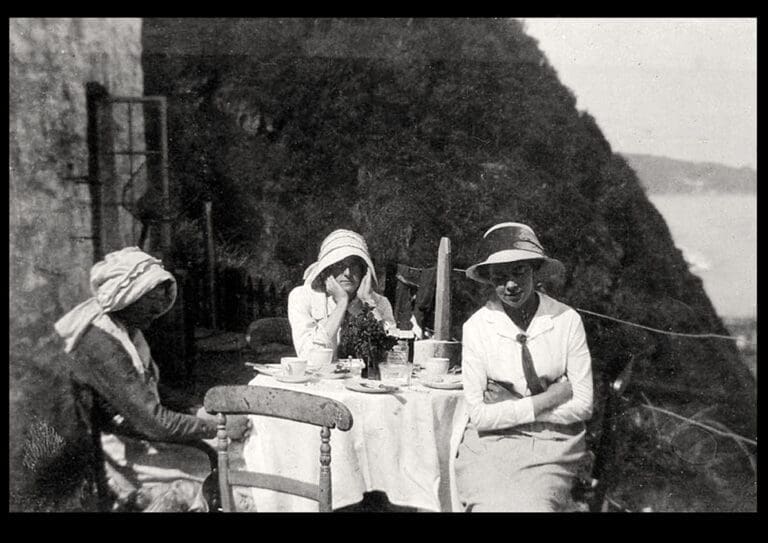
column 119, row 280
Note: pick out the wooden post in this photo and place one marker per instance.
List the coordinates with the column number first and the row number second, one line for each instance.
column 183, row 335
column 443, row 291
column 211, row 258
column 272, row 297
column 165, row 224
column 260, row 297
column 282, row 308
column 249, row 314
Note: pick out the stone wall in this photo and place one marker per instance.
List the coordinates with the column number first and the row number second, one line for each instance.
column 50, row 62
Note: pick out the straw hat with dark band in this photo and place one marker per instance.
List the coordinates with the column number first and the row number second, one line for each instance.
column 513, row 242
column 337, row 246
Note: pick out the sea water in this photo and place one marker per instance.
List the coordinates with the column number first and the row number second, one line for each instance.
column 717, row 233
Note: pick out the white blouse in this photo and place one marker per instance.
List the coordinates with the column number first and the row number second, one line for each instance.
column 558, row 346
column 308, row 310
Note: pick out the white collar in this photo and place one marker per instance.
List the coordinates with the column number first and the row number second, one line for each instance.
column 540, row 322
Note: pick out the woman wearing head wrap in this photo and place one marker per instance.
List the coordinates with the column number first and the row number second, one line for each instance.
column 115, row 378
column 335, row 286
column 527, row 382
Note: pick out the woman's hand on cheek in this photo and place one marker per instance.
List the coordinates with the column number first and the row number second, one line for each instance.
column 365, row 290
column 335, row 290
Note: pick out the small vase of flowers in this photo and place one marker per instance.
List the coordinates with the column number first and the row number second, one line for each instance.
column 366, row 338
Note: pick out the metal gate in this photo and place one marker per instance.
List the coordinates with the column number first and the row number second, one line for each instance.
column 126, row 174
column 131, row 204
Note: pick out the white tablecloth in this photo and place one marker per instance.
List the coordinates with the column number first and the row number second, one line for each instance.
column 403, row 444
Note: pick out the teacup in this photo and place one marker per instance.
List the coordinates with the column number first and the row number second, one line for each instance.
column 293, row 366
column 320, row 357
column 436, row 367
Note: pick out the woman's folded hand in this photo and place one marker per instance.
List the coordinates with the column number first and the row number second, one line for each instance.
column 561, row 391
column 497, row 391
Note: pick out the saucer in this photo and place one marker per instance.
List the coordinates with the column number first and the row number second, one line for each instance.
column 292, row 378
column 267, row 369
column 330, row 371
column 369, row 386
column 445, row 384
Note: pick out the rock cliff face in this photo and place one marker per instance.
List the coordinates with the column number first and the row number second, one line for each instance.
column 50, row 63
column 409, row 130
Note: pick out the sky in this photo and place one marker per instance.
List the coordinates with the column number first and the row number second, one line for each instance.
column 681, row 88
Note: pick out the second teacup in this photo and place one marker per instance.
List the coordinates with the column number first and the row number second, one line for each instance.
column 293, row 366
column 436, row 367
column 319, row 357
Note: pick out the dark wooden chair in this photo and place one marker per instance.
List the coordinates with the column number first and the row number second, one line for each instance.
column 120, row 428
column 267, row 340
column 210, row 483
column 269, row 331
column 593, row 489
column 284, row 404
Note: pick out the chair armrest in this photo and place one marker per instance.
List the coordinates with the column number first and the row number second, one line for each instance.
column 209, row 451
column 211, row 482
column 200, row 445
column 210, row 485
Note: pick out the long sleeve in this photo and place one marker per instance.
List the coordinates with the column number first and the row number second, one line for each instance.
column 101, row 363
column 579, row 372
column 494, row 416
column 306, row 331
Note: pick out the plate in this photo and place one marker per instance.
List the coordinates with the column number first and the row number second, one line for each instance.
column 332, row 375
column 267, row 369
column 445, row 384
column 292, row 378
column 370, row 387
column 330, row 371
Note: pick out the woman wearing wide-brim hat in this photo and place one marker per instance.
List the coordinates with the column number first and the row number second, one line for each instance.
column 527, row 382
column 335, row 287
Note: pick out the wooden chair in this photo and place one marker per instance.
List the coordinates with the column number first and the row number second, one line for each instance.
column 284, row 404
column 268, row 331
column 267, row 340
column 210, row 488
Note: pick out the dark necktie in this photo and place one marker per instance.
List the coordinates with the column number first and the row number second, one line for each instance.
column 534, row 384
